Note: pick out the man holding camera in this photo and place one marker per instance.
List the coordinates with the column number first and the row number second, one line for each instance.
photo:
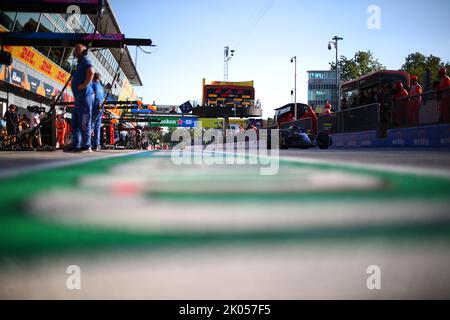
column 84, row 100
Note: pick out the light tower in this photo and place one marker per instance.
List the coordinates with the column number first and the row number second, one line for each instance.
column 338, row 80
column 294, row 60
column 227, row 55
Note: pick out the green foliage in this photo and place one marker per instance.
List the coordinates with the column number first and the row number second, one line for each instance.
column 417, row 64
column 362, row 63
column 166, row 138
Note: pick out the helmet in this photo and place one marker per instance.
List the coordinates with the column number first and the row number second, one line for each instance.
column 399, row 86
column 413, row 78
column 442, row 72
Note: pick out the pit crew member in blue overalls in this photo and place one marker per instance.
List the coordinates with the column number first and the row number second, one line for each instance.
column 97, row 111
column 84, row 101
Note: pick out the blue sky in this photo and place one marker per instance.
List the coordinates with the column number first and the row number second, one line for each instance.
column 190, row 36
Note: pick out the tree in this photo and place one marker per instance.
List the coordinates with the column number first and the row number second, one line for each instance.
column 417, row 64
column 153, row 136
column 167, row 137
column 362, row 63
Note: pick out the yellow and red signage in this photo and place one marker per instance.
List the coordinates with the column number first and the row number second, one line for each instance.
column 46, row 69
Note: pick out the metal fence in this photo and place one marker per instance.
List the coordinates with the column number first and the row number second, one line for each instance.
column 431, row 107
column 305, row 124
column 362, row 118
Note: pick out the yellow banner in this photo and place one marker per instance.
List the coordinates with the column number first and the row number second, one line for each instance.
column 229, row 83
column 211, row 123
column 38, row 62
column 34, row 59
column 242, row 122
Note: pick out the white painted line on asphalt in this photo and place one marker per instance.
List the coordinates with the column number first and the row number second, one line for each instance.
column 264, row 271
column 135, row 212
column 58, row 164
column 405, row 169
column 418, row 171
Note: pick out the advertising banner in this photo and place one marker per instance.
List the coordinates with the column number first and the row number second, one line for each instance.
column 211, row 123
column 38, row 62
column 435, row 136
column 172, row 122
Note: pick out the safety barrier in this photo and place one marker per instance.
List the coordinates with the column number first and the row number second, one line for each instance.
column 305, row 124
column 432, row 107
column 428, row 136
column 362, row 118
column 429, row 108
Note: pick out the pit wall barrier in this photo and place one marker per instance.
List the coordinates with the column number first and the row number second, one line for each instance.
column 434, row 136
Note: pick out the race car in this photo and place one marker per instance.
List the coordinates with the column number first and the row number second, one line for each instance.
column 302, row 133
column 295, row 137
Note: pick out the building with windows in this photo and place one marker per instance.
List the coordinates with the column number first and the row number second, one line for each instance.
column 37, row 74
column 321, row 87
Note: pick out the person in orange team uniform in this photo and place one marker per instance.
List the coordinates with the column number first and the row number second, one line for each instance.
column 444, row 95
column 327, row 109
column 61, row 129
column 415, row 102
column 400, row 105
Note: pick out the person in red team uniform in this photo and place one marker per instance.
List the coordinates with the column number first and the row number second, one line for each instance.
column 444, row 94
column 400, row 105
column 415, row 102
column 61, row 129
column 327, row 109
column 311, row 114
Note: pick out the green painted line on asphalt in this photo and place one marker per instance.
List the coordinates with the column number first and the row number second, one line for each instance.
column 14, row 191
column 25, row 236
column 398, row 186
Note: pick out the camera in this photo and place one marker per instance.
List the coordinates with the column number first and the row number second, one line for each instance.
column 36, row 109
